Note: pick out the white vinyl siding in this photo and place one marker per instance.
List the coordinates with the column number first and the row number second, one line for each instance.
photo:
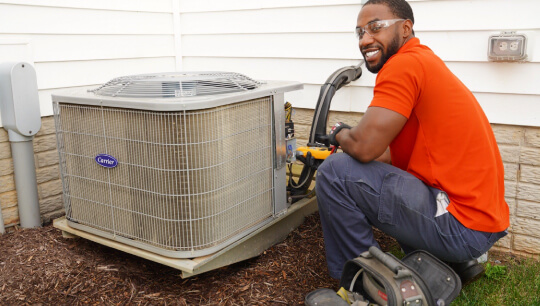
column 307, row 40
column 75, row 43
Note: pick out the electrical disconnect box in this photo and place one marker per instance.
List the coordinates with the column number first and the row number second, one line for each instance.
column 19, row 102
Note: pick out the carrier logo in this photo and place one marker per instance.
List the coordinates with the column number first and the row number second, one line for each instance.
column 106, row 160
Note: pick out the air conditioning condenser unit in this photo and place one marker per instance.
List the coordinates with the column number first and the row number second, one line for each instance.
column 178, row 164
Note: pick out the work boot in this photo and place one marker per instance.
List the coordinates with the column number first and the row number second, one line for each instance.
column 468, row 271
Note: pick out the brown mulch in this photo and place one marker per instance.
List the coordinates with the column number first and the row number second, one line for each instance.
column 40, row 267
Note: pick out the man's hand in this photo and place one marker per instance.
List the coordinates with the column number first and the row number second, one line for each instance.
column 335, row 130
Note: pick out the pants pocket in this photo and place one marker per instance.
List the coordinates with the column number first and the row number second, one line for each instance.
column 390, row 198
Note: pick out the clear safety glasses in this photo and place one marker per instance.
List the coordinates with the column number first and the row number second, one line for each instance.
column 374, row 27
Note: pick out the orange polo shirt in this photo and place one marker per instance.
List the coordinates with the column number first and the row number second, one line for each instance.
column 447, row 141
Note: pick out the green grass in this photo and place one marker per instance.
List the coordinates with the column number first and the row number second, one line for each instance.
column 515, row 283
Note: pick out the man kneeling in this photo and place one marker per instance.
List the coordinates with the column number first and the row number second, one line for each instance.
column 422, row 165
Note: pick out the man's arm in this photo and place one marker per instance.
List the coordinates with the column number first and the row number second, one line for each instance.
column 372, row 136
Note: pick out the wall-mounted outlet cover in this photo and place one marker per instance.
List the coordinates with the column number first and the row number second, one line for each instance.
column 507, row 47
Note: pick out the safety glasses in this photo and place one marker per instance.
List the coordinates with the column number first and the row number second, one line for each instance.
column 374, row 27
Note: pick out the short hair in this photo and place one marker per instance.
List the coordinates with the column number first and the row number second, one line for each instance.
column 400, row 8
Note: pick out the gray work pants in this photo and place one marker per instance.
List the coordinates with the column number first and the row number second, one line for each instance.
column 355, row 196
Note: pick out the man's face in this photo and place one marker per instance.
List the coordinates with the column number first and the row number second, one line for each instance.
column 379, row 48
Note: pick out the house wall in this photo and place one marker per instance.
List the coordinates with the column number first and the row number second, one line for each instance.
column 80, row 44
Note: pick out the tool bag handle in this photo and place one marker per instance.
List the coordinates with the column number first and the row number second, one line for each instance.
column 388, row 261
column 391, row 262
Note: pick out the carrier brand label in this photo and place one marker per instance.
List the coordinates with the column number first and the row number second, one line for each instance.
column 106, row 160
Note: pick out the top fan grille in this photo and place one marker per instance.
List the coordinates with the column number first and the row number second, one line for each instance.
column 176, row 84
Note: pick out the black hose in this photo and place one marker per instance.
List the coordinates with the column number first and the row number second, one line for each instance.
column 317, row 136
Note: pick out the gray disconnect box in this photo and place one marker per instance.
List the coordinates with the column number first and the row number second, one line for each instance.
column 19, row 99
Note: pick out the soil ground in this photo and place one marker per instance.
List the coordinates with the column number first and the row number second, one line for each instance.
column 40, row 267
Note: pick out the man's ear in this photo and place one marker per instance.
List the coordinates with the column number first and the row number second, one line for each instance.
column 407, row 28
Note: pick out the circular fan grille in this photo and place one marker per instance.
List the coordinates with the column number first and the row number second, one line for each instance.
column 176, row 84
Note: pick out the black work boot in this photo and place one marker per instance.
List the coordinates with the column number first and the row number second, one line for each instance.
column 468, row 271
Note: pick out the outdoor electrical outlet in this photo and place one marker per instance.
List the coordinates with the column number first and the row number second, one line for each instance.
column 514, row 46
column 507, row 47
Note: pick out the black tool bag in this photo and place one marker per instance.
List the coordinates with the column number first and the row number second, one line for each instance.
column 418, row 279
